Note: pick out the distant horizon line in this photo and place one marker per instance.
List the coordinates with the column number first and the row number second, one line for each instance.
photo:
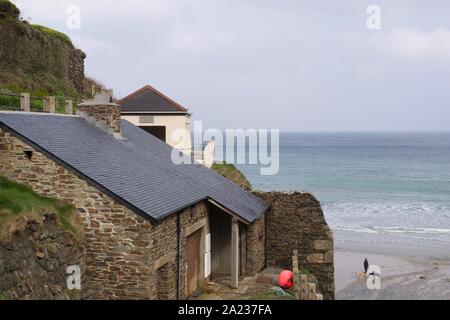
column 351, row 131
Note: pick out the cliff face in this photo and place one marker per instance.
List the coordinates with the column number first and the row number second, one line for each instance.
column 37, row 58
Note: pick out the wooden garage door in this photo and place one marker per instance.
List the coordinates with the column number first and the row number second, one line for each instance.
column 193, row 260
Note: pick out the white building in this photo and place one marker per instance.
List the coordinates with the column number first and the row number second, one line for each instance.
column 159, row 115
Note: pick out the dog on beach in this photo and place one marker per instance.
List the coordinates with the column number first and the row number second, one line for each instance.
column 361, row 275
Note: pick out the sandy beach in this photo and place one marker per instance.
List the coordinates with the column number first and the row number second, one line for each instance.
column 402, row 277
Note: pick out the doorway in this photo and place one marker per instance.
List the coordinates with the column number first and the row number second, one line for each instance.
column 157, row 131
column 220, row 226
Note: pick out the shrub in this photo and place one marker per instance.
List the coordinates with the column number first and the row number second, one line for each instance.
column 8, row 9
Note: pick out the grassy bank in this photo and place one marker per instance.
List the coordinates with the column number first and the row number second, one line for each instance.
column 230, row 172
column 18, row 202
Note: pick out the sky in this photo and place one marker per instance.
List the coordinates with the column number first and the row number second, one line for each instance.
column 289, row 65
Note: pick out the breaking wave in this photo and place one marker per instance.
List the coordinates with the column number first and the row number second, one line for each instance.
column 386, row 217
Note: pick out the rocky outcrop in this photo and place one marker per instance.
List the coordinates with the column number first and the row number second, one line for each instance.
column 36, row 58
column 296, row 222
column 34, row 260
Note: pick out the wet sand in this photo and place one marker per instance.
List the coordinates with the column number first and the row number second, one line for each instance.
column 402, row 277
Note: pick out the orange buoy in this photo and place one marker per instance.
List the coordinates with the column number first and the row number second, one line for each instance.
column 285, row 279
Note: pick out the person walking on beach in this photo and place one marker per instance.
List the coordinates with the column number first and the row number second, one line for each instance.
column 366, row 266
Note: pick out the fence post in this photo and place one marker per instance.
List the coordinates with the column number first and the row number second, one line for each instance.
column 296, row 275
column 312, row 291
column 50, row 104
column 25, row 102
column 69, row 106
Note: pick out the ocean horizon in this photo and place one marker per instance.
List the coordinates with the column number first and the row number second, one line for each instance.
column 380, row 191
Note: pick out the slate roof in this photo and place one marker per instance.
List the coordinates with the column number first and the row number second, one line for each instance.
column 137, row 171
column 150, row 100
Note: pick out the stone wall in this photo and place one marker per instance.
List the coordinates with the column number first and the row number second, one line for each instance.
column 126, row 256
column 34, row 260
column 296, row 222
column 105, row 115
column 76, row 69
column 256, row 246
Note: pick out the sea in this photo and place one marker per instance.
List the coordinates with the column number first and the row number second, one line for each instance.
column 380, row 192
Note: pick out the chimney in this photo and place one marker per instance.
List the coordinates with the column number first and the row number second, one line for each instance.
column 102, row 112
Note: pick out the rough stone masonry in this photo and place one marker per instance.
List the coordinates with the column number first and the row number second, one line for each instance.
column 296, row 222
column 125, row 255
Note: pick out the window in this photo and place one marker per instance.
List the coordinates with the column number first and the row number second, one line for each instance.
column 146, row 119
column 29, row 154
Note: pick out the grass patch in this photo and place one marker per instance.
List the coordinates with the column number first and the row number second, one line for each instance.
column 9, row 103
column 3, row 297
column 19, row 201
column 230, row 172
column 53, row 33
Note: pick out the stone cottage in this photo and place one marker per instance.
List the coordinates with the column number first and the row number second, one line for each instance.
column 154, row 229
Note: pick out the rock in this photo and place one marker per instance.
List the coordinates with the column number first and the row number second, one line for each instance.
column 323, row 245
column 44, row 235
column 315, row 258
column 11, row 265
column 328, row 257
column 40, row 254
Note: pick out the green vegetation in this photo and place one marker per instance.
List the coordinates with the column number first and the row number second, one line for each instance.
column 8, row 9
column 304, row 271
column 53, row 33
column 43, row 67
column 18, row 201
column 12, row 103
column 230, row 172
column 3, row 297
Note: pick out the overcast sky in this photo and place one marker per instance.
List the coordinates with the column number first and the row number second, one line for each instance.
column 293, row 65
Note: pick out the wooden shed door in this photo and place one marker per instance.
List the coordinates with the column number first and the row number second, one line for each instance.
column 193, row 260
column 221, row 244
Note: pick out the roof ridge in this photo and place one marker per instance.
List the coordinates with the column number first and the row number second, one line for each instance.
column 157, row 92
